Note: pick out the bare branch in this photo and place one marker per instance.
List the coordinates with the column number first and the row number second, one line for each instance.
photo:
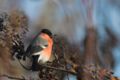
column 10, row 77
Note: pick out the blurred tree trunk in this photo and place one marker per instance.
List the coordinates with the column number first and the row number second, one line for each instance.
column 92, row 59
column 91, row 54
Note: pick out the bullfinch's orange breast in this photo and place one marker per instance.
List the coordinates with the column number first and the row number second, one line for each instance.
column 48, row 50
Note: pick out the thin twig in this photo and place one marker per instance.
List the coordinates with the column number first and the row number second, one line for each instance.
column 23, row 66
column 10, row 77
column 54, row 68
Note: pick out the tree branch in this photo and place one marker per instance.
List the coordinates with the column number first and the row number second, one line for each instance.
column 68, row 71
column 10, row 77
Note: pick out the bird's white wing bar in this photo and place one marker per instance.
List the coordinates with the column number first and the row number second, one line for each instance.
column 43, row 46
column 38, row 53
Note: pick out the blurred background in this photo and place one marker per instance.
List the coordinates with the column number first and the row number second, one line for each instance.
column 70, row 17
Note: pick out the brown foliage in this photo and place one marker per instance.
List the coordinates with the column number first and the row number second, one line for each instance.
column 13, row 24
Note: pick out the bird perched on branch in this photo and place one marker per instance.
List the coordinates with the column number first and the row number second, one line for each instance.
column 40, row 48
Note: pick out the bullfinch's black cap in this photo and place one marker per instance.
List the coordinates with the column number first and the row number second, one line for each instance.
column 46, row 31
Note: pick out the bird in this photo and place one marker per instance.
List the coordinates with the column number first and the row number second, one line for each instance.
column 39, row 51
column 40, row 48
